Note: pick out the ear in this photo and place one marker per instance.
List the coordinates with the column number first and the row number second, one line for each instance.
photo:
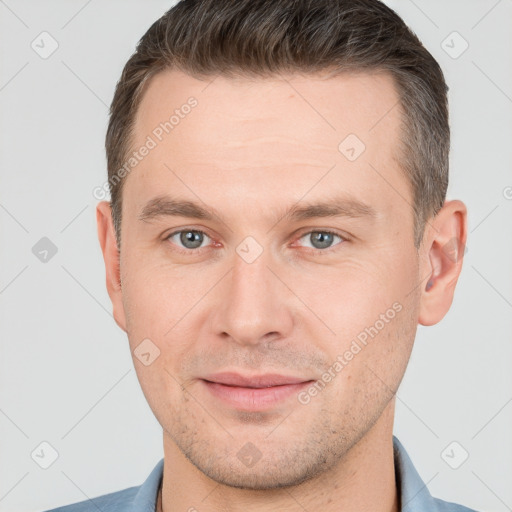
column 444, row 247
column 111, row 256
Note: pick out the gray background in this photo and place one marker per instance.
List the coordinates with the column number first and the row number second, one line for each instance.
column 66, row 375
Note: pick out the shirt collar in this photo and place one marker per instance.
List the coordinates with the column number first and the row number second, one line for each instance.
column 145, row 499
column 414, row 494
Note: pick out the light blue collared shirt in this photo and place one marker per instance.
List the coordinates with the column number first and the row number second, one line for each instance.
column 414, row 494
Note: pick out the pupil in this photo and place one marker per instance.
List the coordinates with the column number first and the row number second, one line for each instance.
column 191, row 237
column 324, row 240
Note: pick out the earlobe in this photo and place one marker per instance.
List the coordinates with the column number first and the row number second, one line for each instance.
column 111, row 257
column 442, row 264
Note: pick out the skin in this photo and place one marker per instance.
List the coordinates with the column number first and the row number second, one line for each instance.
column 251, row 149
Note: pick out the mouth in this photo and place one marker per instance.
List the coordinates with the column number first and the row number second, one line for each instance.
column 253, row 393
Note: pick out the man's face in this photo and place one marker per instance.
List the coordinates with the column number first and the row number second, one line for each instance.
column 253, row 291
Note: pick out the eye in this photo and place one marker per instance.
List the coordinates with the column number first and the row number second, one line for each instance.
column 189, row 238
column 321, row 239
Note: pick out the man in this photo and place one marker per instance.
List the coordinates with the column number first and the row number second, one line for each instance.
column 277, row 229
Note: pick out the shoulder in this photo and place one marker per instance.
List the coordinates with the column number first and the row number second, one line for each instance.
column 119, row 501
column 448, row 506
column 414, row 493
column 141, row 498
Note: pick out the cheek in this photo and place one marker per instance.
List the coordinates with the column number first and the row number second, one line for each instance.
column 373, row 363
column 160, row 304
column 155, row 296
column 370, row 308
column 161, row 388
column 353, row 295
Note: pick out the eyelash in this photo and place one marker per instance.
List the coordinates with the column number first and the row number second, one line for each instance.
column 198, row 250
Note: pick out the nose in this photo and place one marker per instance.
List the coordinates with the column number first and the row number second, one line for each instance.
column 255, row 306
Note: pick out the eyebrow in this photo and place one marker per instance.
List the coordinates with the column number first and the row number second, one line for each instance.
column 342, row 206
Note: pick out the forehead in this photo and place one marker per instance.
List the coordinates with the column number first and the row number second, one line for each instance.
column 266, row 137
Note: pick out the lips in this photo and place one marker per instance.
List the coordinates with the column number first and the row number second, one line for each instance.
column 256, row 393
column 255, row 381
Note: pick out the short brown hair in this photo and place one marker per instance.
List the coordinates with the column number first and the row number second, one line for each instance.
column 260, row 38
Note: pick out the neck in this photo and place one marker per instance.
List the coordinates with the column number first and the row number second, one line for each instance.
column 363, row 480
